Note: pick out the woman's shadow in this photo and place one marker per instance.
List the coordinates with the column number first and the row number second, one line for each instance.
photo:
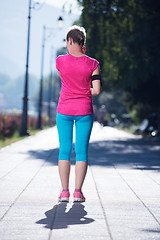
column 59, row 218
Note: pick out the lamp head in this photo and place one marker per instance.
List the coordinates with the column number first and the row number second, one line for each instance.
column 60, row 22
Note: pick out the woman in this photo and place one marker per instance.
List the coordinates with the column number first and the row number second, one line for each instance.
column 76, row 71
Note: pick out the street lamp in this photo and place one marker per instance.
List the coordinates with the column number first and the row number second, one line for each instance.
column 50, row 88
column 44, row 38
column 60, row 22
column 24, row 125
column 39, row 123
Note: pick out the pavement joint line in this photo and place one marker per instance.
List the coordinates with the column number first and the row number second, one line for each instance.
column 12, row 169
column 53, row 221
column 137, row 195
column 105, row 217
column 13, row 203
column 18, row 163
column 144, row 172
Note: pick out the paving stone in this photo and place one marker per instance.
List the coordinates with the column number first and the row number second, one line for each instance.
column 122, row 189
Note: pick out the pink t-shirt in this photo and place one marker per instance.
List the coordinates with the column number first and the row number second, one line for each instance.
column 76, row 72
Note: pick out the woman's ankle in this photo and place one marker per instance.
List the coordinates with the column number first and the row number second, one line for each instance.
column 65, row 190
column 77, row 190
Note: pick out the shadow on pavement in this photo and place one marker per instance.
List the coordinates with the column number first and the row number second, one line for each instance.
column 152, row 231
column 50, row 155
column 134, row 153
column 59, row 217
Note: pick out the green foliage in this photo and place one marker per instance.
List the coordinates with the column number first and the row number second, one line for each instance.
column 124, row 36
column 113, row 103
column 7, row 141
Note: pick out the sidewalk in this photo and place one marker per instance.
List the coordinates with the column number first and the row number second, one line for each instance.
column 122, row 190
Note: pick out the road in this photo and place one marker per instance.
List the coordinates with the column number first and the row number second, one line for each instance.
column 122, row 189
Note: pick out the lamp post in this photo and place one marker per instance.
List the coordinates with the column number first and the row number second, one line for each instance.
column 44, row 38
column 39, row 123
column 24, row 126
column 50, row 88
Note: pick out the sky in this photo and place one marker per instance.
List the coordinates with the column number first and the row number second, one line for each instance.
column 13, row 33
column 68, row 4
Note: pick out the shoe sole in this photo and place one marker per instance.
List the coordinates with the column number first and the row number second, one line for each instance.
column 79, row 200
column 64, row 200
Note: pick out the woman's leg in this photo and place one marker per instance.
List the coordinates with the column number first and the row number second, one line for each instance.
column 80, row 173
column 65, row 132
column 83, row 130
column 64, row 172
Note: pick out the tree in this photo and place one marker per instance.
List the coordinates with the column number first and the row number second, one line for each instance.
column 124, row 36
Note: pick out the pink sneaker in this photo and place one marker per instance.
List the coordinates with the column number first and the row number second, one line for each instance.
column 78, row 197
column 64, row 196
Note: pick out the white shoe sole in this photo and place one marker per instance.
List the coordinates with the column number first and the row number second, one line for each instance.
column 79, row 200
column 64, row 200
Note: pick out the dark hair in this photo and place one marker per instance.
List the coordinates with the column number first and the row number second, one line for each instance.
column 78, row 34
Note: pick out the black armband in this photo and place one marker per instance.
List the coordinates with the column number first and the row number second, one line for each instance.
column 97, row 77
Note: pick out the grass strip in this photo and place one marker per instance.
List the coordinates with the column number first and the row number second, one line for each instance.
column 16, row 137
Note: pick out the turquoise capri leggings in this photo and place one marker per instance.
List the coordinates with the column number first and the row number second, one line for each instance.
column 83, row 128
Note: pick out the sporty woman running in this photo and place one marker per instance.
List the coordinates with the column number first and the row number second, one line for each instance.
column 76, row 71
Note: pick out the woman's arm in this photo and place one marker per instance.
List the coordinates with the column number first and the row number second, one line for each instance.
column 59, row 73
column 96, row 84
